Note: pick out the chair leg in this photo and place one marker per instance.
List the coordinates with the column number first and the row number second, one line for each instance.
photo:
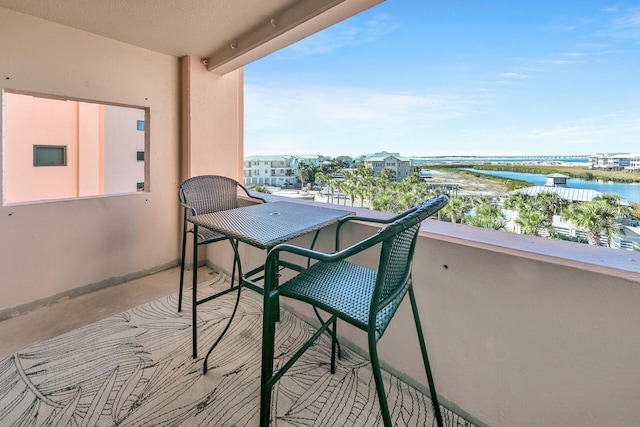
column 184, row 250
column 334, row 341
column 194, row 294
column 425, row 359
column 268, row 342
column 377, row 376
column 321, row 320
column 236, row 259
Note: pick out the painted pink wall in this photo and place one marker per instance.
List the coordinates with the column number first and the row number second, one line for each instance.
column 212, row 141
column 102, row 143
column 61, row 246
column 33, row 121
column 90, row 153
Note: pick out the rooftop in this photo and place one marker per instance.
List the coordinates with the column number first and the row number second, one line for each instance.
column 570, row 194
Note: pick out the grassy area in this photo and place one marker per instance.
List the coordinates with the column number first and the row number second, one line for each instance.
column 510, row 184
column 506, row 184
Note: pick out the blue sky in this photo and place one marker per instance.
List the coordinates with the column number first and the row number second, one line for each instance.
column 454, row 77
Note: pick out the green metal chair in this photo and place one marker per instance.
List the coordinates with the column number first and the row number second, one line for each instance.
column 201, row 195
column 365, row 298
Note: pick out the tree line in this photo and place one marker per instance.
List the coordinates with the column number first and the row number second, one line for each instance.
column 600, row 218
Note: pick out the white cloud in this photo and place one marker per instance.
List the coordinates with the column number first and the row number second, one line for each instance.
column 351, row 32
column 616, row 129
column 337, row 120
column 625, row 26
column 514, row 75
column 557, row 61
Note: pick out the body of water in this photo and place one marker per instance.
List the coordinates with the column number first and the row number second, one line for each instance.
column 629, row 192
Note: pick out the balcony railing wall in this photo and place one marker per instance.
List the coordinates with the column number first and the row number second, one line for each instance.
column 519, row 330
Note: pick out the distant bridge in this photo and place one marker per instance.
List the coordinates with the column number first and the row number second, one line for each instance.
column 575, row 157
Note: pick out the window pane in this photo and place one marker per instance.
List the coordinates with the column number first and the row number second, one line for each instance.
column 49, row 155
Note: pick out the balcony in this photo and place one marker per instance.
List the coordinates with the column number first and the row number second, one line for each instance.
column 522, row 331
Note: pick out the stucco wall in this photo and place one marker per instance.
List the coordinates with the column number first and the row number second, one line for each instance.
column 33, row 122
column 52, row 248
column 211, row 129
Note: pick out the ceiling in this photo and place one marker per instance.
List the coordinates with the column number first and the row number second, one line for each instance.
column 227, row 33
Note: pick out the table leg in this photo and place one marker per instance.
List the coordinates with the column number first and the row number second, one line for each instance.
column 236, row 260
column 194, row 293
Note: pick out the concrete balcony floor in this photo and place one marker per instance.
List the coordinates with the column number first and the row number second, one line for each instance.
column 309, row 396
column 50, row 321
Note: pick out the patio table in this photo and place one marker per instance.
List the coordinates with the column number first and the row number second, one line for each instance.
column 262, row 226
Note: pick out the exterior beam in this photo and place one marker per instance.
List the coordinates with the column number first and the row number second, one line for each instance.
column 269, row 29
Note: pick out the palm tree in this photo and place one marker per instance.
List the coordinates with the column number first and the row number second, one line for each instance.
column 623, row 210
column 531, row 220
column 457, row 208
column 535, row 212
column 381, row 202
column 414, row 178
column 303, row 172
column 514, row 200
column 341, row 186
column 350, row 189
column 387, row 174
column 551, row 204
column 598, row 217
column 407, row 199
column 330, row 186
column 371, row 189
column 322, row 178
column 362, row 171
column 487, row 214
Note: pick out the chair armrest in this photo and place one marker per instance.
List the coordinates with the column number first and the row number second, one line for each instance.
column 368, row 219
column 249, row 195
column 376, row 220
column 274, row 254
column 191, row 208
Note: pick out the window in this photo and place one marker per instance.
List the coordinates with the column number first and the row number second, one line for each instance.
column 56, row 148
column 140, row 125
column 49, row 155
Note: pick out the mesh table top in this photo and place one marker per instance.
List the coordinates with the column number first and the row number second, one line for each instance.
column 267, row 225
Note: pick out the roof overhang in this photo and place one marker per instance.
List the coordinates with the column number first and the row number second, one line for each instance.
column 226, row 34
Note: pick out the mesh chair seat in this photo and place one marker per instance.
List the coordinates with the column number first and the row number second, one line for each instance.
column 343, row 289
column 206, row 236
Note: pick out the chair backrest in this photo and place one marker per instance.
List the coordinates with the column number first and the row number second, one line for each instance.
column 396, row 256
column 208, row 193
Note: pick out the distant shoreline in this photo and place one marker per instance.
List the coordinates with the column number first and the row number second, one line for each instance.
column 573, row 170
column 579, row 159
